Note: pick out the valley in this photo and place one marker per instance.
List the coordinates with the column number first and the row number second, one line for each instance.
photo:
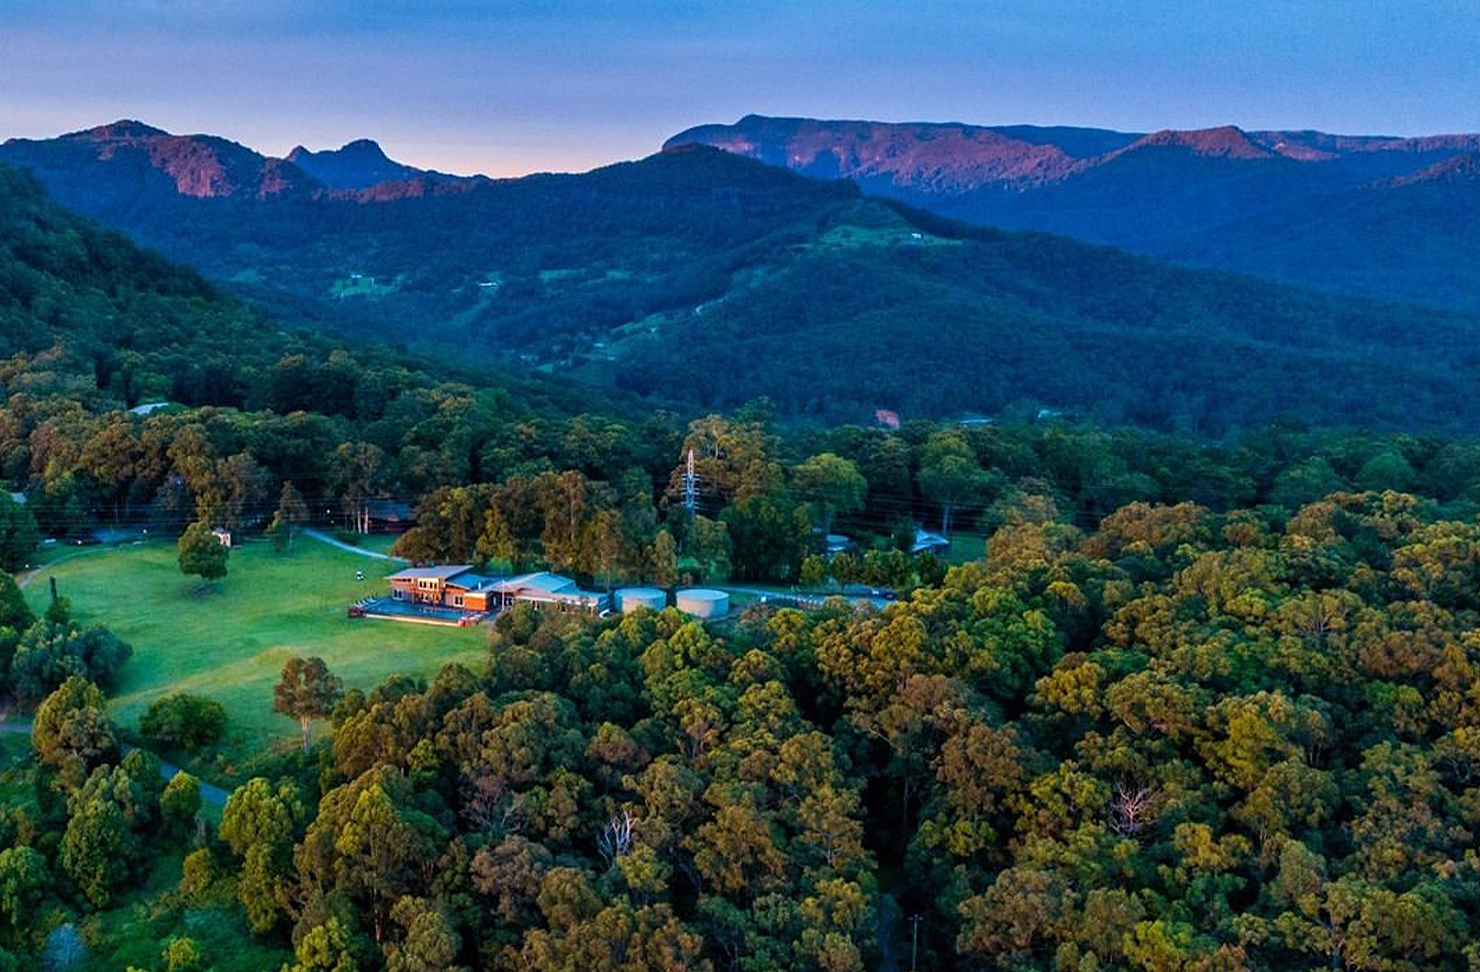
column 1039, row 604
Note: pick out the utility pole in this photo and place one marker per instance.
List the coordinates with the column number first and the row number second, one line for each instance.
column 914, row 941
column 690, row 486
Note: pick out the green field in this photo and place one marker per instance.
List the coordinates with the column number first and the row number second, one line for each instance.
column 230, row 644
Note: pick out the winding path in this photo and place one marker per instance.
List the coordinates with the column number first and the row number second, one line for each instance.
column 209, row 792
column 22, row 580
column 322, row 537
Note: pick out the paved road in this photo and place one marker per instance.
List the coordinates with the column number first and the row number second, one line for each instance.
column 335, row 542
column 209, row 793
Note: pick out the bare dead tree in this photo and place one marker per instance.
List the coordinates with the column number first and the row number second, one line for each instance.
column 1132, row 808
column 615, row 837
column 488, row 805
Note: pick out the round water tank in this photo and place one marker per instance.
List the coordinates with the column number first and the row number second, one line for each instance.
column 703, row 603
column 629, row 599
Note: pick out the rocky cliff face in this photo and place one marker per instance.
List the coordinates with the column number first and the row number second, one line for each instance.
column 199, row 166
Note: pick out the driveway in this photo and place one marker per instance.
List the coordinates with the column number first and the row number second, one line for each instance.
column 323, row 537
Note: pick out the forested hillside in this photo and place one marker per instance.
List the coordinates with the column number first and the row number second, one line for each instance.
column 704, row 279
column 92, row 327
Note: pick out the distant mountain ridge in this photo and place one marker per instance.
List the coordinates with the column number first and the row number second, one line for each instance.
column 151, row 164
column 934, row 156
column 1224, row 197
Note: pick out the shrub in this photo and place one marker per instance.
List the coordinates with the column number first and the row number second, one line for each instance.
column 197, row 873
column 183, row 721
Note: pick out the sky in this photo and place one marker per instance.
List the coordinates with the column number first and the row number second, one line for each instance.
column 507, row 87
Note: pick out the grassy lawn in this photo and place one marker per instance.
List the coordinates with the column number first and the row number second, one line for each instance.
column 230, row 644
column 966, row 547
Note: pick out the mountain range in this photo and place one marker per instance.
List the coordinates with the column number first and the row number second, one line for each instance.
column 147, row 164
column 1376, row 216
column 702, row 279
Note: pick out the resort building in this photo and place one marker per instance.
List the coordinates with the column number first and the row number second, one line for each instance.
column 459, row 587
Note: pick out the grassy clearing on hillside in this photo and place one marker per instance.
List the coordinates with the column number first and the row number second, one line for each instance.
column 848, row 236
column 230, row 645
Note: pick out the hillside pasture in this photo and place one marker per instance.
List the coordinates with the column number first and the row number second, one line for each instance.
column 230, row 644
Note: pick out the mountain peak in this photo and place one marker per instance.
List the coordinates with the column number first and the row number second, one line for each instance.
column 354, row 166
column 359, row 149
column 123, row 128
column 363, row 146
column 1225, row 141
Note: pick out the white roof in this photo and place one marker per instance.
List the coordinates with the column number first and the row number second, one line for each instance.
column 543, row 581
column 924, row 540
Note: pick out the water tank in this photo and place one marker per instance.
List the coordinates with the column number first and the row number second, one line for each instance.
column 703, row 603
column 629, row 599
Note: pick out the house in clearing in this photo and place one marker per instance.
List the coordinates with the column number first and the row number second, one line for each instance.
column 459, row 586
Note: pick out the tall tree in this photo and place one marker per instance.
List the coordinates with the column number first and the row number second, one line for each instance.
column 831, row 484
column 291, row 512
column 951, row 476
column 664, row 556
column 15, row 613
column 17, row 533
column 202, row 554
column 356, row 472
column 307, row 691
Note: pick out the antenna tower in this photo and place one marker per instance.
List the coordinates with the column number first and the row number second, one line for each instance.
column 690, row 486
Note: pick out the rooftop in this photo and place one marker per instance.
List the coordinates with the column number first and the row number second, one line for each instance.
column 542, row 581
column 445, row 572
